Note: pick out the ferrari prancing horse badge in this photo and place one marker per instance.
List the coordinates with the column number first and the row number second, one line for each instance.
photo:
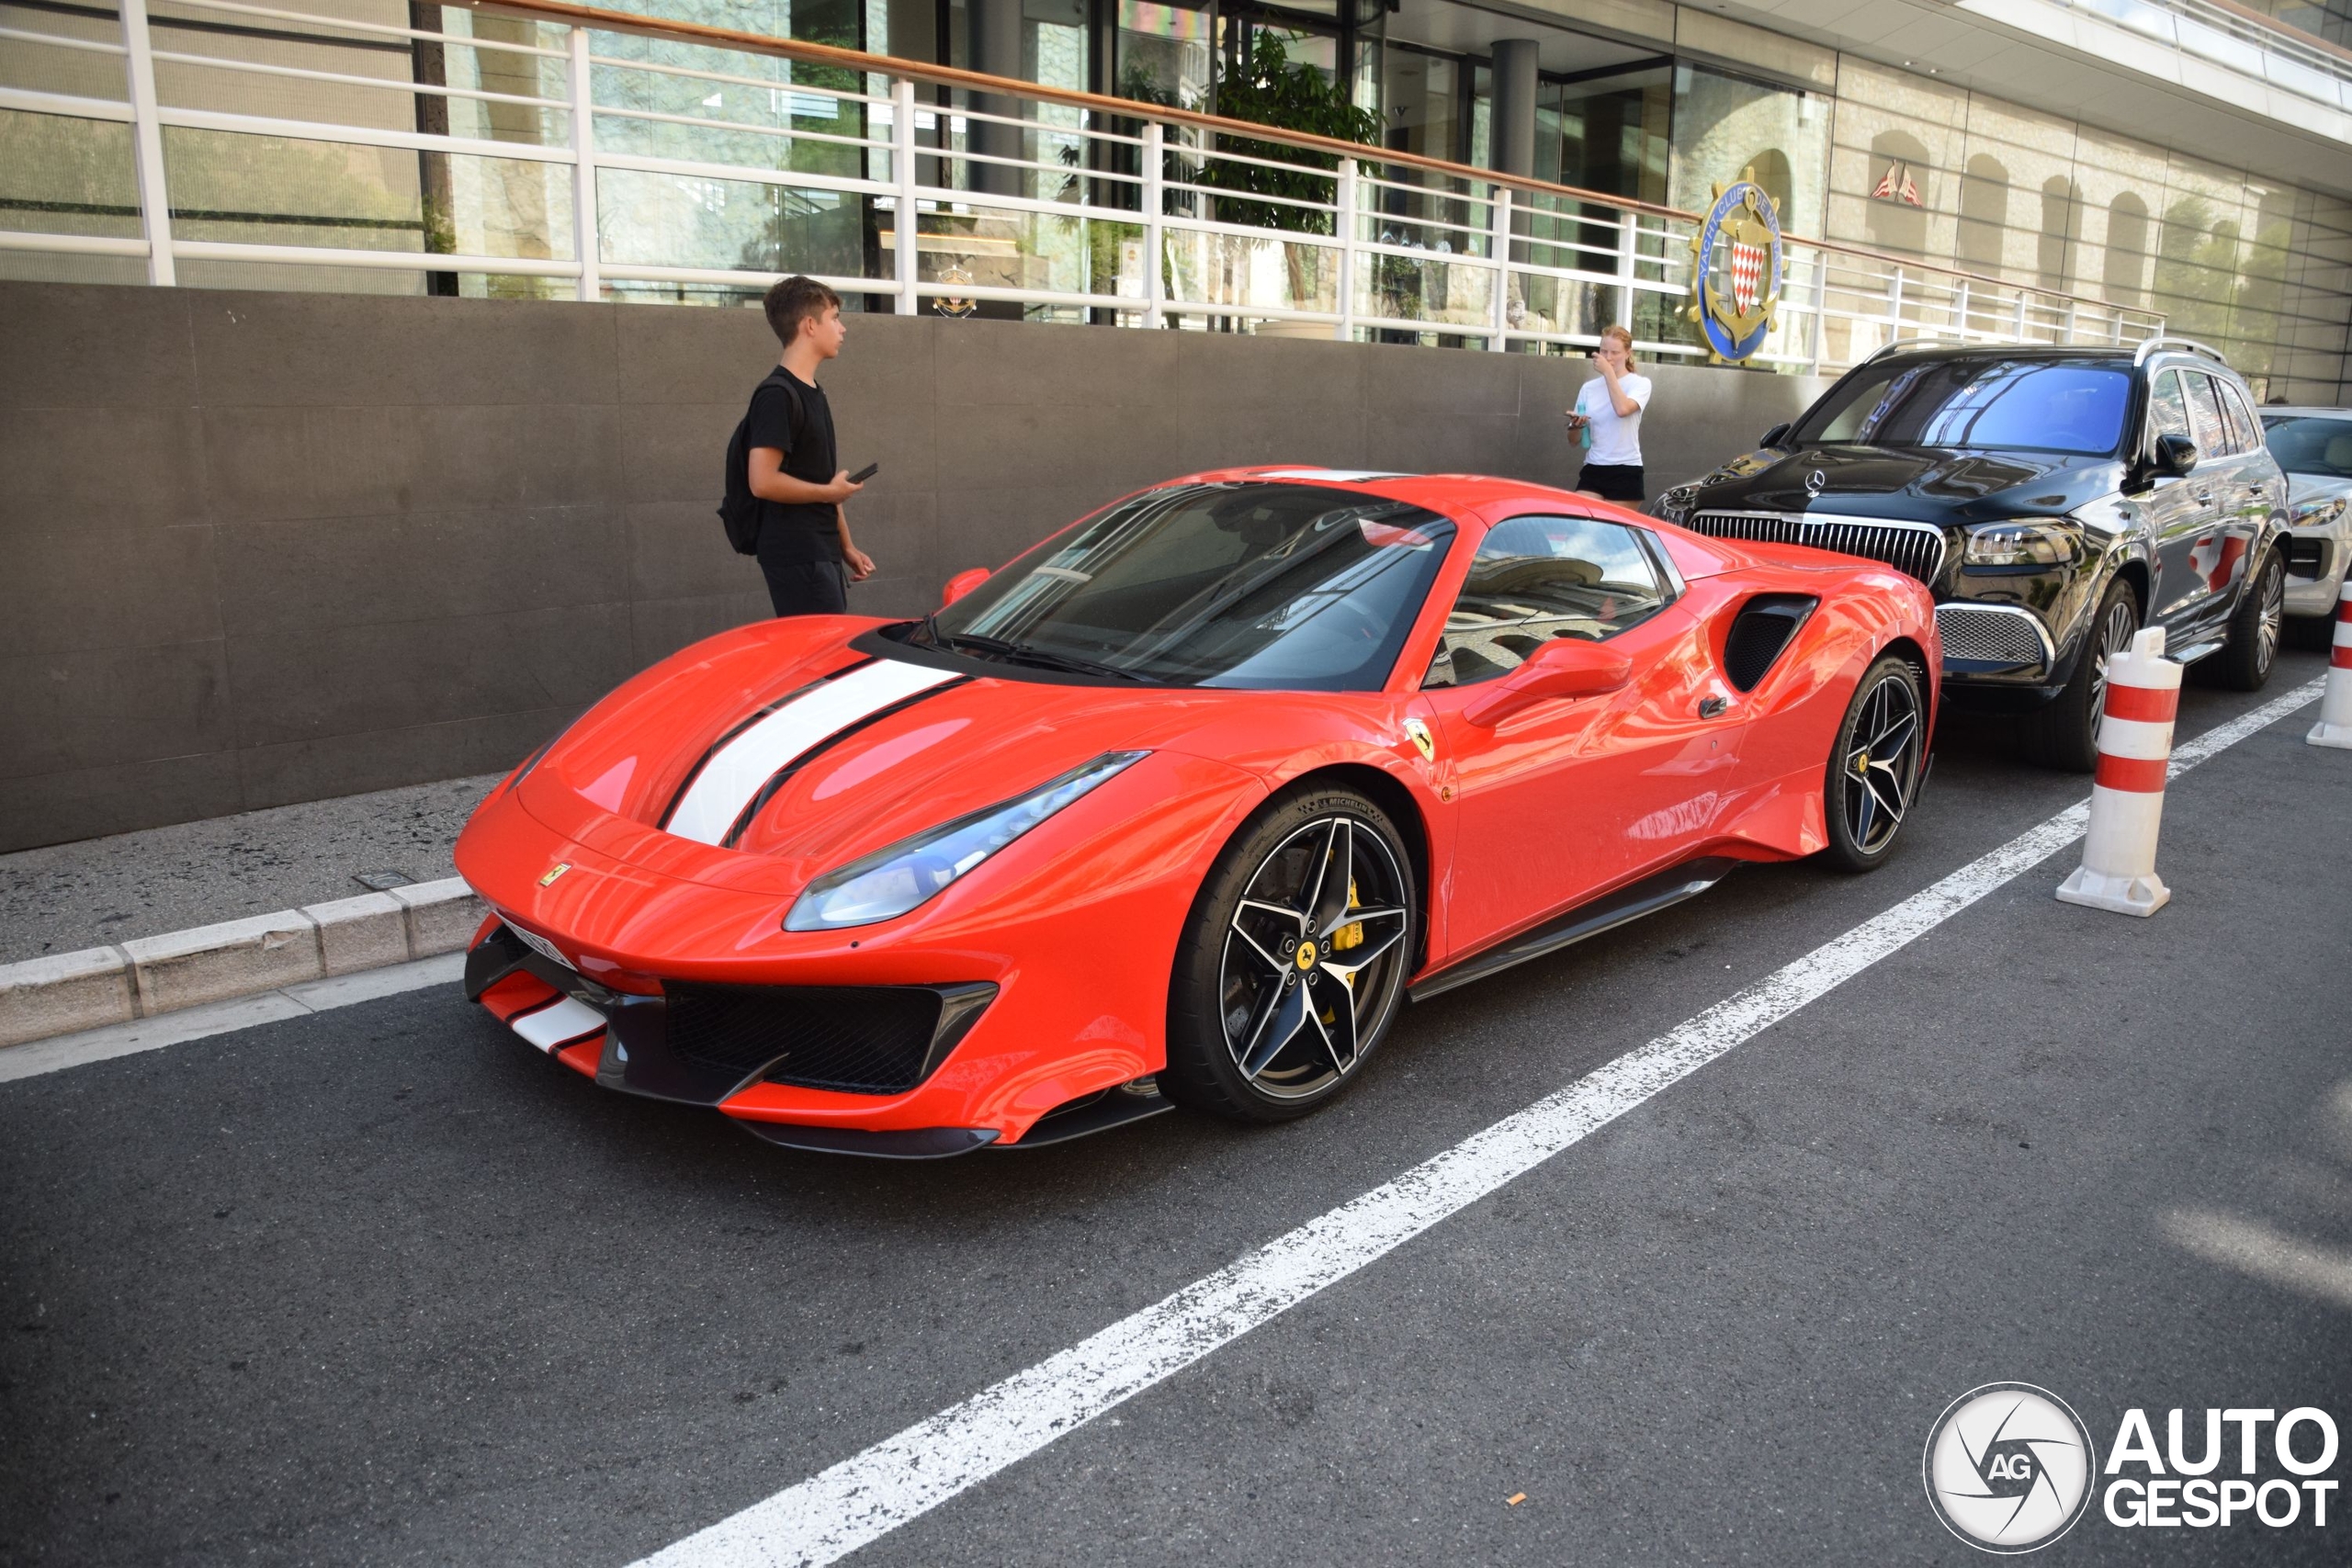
column 1419, row 733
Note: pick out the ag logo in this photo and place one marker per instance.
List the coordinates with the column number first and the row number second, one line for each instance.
column 2008, row 1467
column 1735, row 269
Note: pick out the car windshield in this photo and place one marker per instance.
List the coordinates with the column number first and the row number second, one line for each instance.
column 1288, row 586
column 2012, row 404
column 2306, row 444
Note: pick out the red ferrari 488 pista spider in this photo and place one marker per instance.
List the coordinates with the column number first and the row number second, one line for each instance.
column 1181, row 806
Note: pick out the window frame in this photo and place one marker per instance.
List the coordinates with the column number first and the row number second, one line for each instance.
column 2189, row 379
column 1671, row 586
column 2189, row 427
column 2240, row 408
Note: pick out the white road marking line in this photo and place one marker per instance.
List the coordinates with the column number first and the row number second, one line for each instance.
column 833, row 1512
column 219, row 1017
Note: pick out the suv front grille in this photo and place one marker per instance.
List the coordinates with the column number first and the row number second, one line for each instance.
column 1993, row 636
column 1917, row 549
column 860, row 1039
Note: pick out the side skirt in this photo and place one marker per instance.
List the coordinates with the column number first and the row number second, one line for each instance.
column 1646, row 896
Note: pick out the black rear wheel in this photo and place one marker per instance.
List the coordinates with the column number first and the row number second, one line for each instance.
column 1875, row 766
column 2255, row 627
column 1294, row 961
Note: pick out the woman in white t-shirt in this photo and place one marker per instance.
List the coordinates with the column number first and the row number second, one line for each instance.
column 1610, row 406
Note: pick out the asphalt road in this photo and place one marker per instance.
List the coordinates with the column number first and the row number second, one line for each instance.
column 382, row 1286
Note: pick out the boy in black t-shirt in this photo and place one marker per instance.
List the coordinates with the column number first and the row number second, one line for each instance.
column 805, row 549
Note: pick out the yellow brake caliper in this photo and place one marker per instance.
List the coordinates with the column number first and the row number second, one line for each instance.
column 1351, row 934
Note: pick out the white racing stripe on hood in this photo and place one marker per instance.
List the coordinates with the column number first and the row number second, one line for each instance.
column 733, row 776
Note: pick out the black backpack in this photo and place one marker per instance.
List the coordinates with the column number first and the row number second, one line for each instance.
column 739, row 509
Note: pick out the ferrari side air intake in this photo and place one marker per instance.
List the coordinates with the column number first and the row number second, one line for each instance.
column 1760, row 632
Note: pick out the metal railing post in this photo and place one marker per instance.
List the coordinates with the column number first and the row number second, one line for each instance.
column 1820, row 309
column 147, row 145
column 2020, row 315
column 1155, row 284
column 1344, row 199
column 906, row 223
column 2066, row 333
column 584, row 242
column 1894, row 307
column 1959, row 310
column 1498, row 246
column 1628, row 254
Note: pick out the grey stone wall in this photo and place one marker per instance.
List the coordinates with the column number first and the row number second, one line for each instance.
column 265, row 548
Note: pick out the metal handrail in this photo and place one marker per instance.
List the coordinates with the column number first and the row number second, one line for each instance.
column 1129, row 109
column 1489, row 290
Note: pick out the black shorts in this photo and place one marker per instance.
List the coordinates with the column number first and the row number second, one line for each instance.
column 1612, row 482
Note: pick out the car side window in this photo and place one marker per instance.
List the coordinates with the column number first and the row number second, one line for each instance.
column 2205, row 415
column 2241, row 415
column 1538, row 578
column 2168, row 409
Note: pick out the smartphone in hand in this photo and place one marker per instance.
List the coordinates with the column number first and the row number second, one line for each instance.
column 866, row 473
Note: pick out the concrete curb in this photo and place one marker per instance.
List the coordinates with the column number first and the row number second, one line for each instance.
column 64, row 993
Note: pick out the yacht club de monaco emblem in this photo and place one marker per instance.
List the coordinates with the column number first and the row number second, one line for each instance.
column 1735, row 269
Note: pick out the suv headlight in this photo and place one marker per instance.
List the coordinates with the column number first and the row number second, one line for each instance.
column 2023, row 544
column 891, row 881
column 2318, row 513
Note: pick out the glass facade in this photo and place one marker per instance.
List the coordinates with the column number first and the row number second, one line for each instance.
column 1670, row 104
column 2251, row 264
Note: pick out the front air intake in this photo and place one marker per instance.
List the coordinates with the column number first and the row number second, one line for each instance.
column 853, row 1039
column 1759, row 633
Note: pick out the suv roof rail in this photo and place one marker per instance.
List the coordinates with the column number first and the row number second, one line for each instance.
column 2179, row 345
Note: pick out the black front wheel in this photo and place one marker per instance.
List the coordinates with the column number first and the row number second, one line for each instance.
column 2063, row 732
column 1875, row 766
column 1293, row 961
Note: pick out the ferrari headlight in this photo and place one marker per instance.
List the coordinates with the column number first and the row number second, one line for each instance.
column 2023, row 544
column 891, row 881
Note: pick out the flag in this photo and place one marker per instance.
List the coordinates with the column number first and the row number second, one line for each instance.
column 1746, row 276
column 1895, row 185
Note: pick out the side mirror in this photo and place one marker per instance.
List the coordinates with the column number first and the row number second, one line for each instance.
column 1775, row 435
column 963, row 582
column 2175, row 455
column 1561, row 667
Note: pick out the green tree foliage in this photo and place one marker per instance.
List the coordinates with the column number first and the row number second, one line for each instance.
column 1272, row 90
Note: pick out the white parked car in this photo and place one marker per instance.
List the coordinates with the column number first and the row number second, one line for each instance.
column 2314, row 445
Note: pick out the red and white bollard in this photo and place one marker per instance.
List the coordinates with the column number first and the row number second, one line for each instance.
column 2334, row 726
column 2119, row 869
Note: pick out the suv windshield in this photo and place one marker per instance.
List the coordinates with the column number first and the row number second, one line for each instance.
column 1247, row 585
column 2304, row 444
column 2016, row 405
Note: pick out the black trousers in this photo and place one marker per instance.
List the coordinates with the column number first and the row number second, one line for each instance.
column 806, row 587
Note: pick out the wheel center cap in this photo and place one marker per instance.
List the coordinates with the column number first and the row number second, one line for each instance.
column 1305, row 957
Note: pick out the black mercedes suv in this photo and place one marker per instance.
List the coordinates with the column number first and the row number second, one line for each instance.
column 2053, row 499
